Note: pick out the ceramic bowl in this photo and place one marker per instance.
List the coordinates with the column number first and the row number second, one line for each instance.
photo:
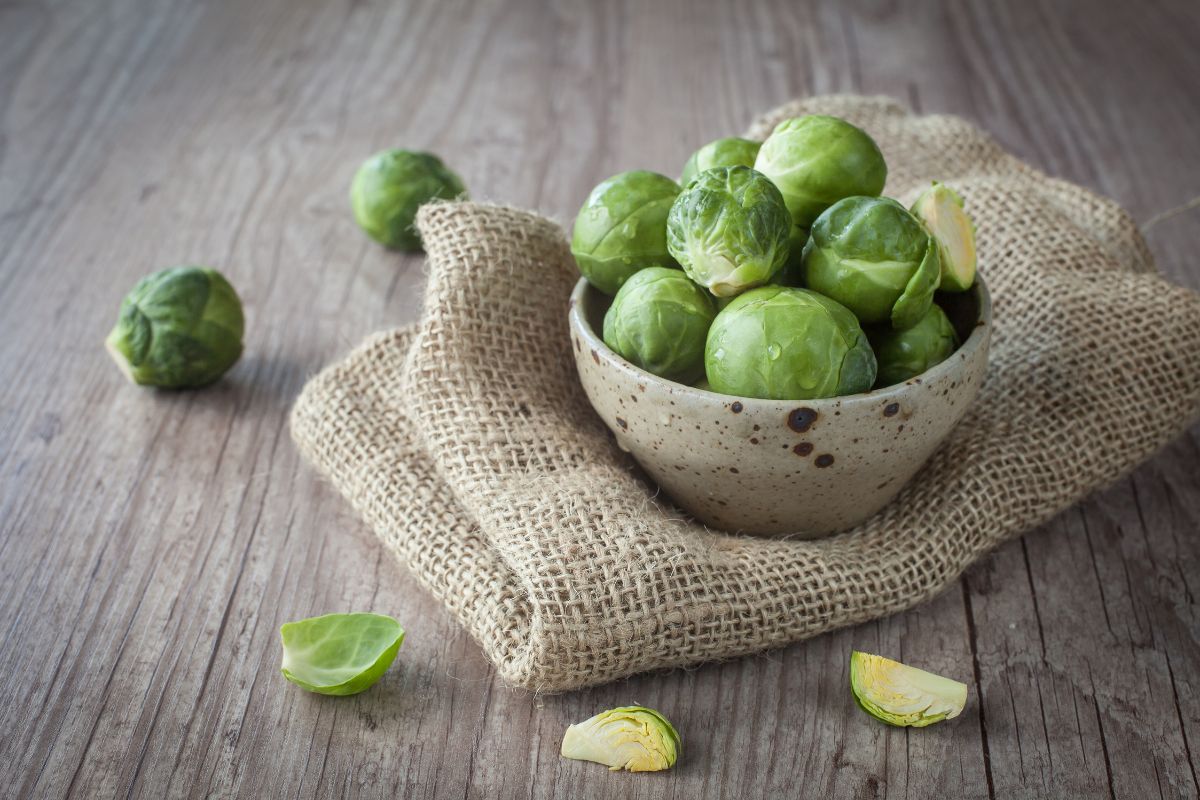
column 798, row 467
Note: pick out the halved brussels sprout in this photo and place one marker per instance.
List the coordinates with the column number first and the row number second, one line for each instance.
column 658, row 321
column 817, row 160
column 622, row 228
column 729, row 230
column 178, row 328
column 389, row 188
column 339, row 654
column 941, row 209
column 907, row 353
column 901, row 695
column 780, row 343
column 635, row 738
column 874, row 257
column 731, row 152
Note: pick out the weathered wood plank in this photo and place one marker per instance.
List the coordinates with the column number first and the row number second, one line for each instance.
column 151, row 543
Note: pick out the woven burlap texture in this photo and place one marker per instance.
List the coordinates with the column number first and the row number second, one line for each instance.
column 467, row 443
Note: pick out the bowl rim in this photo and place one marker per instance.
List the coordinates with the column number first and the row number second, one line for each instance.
column 976, row 341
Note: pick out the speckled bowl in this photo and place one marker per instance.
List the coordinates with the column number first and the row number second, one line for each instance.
column 769, row 467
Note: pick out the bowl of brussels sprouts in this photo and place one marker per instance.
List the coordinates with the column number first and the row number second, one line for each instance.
column 779, row 346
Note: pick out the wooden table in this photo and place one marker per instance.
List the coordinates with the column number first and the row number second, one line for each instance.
column 152, row 543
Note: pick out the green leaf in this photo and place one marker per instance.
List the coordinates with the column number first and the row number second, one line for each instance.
column 339, row 654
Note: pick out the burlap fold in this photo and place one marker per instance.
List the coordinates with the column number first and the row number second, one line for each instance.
column 467, row 443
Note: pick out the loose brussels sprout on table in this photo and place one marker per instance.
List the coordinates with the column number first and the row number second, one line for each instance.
column 658, row 321
column 874, row 257
column 635, row 738
column 780, row 343
column 178, row 328
column 901, row 695
column 817, row 160
column 729, row 230
column 731, row 152
column 622, row 228
column 389, row 188
column 907, row 353
column 941, row 209
column 339, row 654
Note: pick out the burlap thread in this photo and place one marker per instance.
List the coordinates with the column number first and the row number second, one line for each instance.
column 467, row 444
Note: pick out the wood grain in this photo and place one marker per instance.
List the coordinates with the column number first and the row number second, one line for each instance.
column 151, row 543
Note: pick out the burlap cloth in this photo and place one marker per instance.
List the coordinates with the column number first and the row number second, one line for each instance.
column 466, row 442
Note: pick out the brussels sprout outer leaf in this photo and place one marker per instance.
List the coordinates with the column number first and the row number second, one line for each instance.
column 731, row 152
column 391, row 186
column 940, row 208
column 178, row 328
column 658, row 321
column 780, row 343
column 868, row 288
column 918, row 293
column 635, row 738
column 859, row 368
column 621, row 228
column 729, row 230
column 817, row 160
column 901, row 695
column 908, row 353
column 339, row 654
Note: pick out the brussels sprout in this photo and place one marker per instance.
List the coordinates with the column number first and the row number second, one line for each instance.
column 389, row 188
column 900, row 695
column 731, row 152
column 780, row 343
column 622, row 228
column 635, row 738
column 339, row 654
column 941, row 209
column 817, row 160
column 729, row 229
column 792, row 273
column 659, row 321
column 875, row 258
column 904, row 354
column 180, row 327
